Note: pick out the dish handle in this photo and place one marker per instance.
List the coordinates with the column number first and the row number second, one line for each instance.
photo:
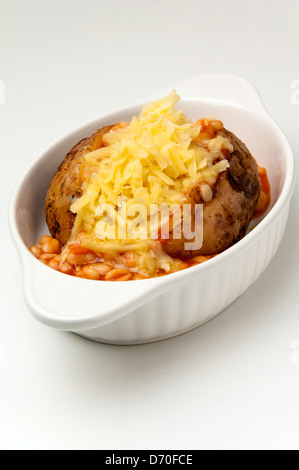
column 221, row 86
column 73, row 304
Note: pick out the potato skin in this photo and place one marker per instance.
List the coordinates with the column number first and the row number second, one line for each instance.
column 227, row 216
column 66, row 185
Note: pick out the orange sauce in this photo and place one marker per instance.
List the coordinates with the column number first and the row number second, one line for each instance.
column 265, row 197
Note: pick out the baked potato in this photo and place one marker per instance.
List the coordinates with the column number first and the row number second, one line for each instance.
column 66, row 186
column 225, row 218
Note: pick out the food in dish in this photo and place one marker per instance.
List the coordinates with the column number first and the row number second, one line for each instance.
column 160, row 159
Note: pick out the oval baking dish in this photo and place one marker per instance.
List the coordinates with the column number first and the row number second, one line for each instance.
column 153, row 309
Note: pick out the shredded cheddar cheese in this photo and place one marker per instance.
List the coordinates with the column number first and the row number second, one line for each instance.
column 153, row 160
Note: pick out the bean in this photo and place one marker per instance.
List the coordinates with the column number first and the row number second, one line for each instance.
column 206, row 192
column 90, row 273
column 205, row 136
column 47, row 256
column 102, row 268
column 131, row 260
column 216, row 125
column 203, row 123
column 79, row 250
column 199, row 259
column 66, row 268
column 36, row 251
column 138, row 277
column 183, row 265
column 126, row 277
column 180, row 267
column 44, row 239
column 115, row 273
column 108, row 257
column 78, row 259
column 51, row 245
column 54, row 264
column 262, row 202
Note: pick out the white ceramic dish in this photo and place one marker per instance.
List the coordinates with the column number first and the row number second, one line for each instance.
column 154, row 309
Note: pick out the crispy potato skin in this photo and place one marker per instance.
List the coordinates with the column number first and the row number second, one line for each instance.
column 227, row 216
column 66, row 185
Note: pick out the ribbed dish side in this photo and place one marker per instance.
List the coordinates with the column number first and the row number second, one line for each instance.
column 190, row 305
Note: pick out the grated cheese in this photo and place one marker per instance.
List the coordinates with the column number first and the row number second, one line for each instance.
column 154, row 159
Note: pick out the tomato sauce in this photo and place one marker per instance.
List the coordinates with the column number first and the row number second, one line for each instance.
column 265, row 197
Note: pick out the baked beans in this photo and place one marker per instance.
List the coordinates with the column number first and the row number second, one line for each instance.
column 80, row 262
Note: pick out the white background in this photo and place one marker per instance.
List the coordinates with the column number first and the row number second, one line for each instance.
column 234, row 382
